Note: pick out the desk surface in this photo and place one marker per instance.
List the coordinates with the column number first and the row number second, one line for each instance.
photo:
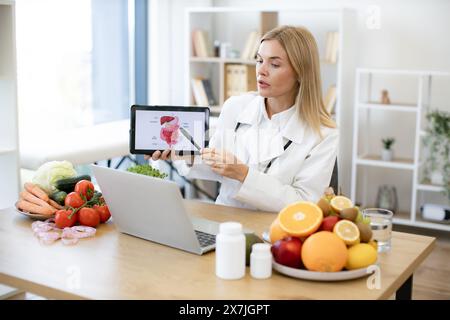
column 117, row 266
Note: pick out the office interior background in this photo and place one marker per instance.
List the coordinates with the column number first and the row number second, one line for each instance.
column 83, row 63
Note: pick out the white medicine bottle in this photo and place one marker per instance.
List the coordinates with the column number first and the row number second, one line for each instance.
column 230, row 251
column 261, row 261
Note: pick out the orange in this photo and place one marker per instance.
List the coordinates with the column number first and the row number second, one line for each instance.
column 347, row 231
column 324, row 251
column 339, row 203
column 300, row 219
column 275, row 232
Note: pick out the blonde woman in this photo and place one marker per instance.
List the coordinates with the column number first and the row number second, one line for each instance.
column 278, row 145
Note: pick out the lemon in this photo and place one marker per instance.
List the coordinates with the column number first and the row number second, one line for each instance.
column 347, row 231
column 340, row 203
column 361, row 255
column 374, row 244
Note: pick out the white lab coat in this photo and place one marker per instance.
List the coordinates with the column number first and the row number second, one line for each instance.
column 301, row 172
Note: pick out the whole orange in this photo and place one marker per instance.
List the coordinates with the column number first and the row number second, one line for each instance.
column 324, row 251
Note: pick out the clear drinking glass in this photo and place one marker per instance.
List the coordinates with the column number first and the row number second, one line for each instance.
column 381, row 225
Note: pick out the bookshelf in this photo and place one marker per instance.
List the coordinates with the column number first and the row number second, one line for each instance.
column 233, row 25
column 9, row 151
column 366, row 161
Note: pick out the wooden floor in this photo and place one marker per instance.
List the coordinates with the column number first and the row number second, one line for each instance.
column 431, row 279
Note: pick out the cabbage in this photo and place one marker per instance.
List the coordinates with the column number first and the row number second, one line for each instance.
column 50, row 172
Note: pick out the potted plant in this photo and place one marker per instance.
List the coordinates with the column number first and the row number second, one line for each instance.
column 387, row 153
column 437, row 143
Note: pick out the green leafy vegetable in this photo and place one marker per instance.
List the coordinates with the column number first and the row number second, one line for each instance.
column 50, row 172
column 147, row 170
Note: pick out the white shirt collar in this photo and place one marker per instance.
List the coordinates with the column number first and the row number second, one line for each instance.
column 293, row 129
column 279, row 120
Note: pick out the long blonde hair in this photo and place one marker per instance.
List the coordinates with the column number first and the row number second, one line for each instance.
column 301, row 49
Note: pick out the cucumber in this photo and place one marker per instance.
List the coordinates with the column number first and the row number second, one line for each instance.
column 59, row 196
column 68, row 184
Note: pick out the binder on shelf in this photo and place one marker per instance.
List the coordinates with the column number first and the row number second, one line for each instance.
column 200, row 43
column 331, row 48
column 209, row 92
column 251, row 46
column 330, row 99
column 199, row 92
column 240, row 78
column 327, row 47
column 255, row 48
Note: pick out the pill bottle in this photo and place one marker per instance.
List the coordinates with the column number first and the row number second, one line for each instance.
column 230, row 251
column 261, row 261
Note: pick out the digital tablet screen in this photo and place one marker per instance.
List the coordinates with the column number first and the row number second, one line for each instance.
column 183, row 129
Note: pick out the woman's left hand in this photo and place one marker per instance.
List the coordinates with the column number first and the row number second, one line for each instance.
column 225, row 164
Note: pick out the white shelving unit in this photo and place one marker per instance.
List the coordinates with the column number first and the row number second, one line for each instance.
column 362, row 159
column 9, row 149
column 233, row 24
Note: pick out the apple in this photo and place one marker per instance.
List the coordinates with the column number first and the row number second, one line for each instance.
column 328, row 223
column 287, row 252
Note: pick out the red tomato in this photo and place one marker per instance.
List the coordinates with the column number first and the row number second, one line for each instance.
column 103, row 211
column 62, row 219
column 85, row 188
column 73, row 200
column 88, row 217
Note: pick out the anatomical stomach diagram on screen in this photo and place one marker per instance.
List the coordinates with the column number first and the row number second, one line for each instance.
column 169, row 129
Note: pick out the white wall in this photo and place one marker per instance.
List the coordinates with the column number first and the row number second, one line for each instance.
column 166, row 54
column 413, row 34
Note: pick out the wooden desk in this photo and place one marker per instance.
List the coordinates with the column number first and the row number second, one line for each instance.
column 117, row 266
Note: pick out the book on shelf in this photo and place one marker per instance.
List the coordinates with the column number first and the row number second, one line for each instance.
column 331, row 48
column 200, row 97
column 240, row 78
column 200, row 43
column 209, row 92
column 251, row 46
column 330, row 99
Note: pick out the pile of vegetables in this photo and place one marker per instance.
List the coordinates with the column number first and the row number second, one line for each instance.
column 58, row 191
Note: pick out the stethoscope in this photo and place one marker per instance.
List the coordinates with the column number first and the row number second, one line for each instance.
column 271, row 161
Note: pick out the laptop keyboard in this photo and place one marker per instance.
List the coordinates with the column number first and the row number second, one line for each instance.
column 205, row 239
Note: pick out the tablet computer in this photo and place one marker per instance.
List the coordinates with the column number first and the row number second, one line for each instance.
column 183, row 129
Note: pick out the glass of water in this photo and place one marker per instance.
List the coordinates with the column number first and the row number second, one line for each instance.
column 381, row 225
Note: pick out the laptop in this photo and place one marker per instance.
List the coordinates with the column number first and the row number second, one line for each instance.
column 153, row 209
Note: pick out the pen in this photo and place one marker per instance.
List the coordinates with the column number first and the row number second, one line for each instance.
column 189, row 137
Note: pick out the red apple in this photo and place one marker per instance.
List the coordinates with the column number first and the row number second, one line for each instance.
column 287, row 252
column 328, row 223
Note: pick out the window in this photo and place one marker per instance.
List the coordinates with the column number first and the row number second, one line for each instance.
column 72, row 63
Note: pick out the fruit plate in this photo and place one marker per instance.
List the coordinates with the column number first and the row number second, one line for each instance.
column 265, row 236
column 323, row 276
column 319, row 276
column 35, row 216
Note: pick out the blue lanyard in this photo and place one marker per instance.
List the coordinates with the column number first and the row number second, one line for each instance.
column 271, row 161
